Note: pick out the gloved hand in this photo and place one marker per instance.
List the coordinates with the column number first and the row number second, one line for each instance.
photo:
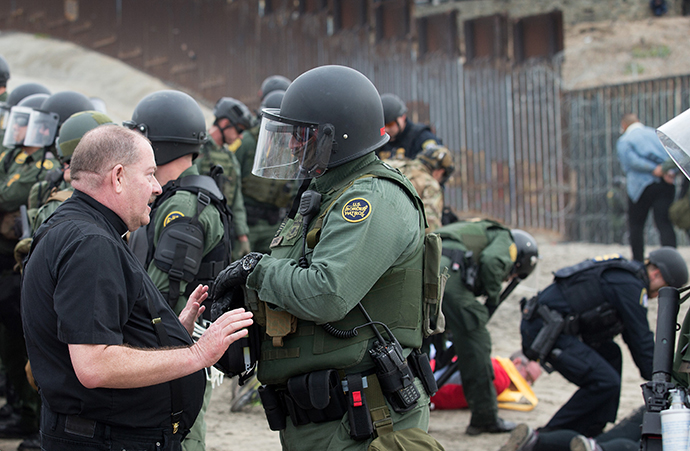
column 229, row 280
column 21, row 250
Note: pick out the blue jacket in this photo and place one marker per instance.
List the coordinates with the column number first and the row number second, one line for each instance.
column 640, row 151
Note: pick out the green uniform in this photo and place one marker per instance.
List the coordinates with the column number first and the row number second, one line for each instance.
column 264, row 199
column 213, row 154
column 494, row 253
column 184, row 203
column 18, row 172
column 3, row 98
column 355, row 258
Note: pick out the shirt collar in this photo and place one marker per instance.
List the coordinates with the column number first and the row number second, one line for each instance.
column 335, row 176
column 109, row 214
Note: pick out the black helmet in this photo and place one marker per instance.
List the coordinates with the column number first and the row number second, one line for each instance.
column 671, row 264
column 235, row 111
column 435, row 156
column 393, row 107
column 172, row 121
column 329, row 115
column 526, row 253
column 274, row 83
column 34, row 100
column 66, row 103
column 25, row 90
column 74, row 129
column 4, row 71
column 273, row 99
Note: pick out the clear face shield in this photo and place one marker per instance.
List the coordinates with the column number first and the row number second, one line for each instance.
column 17, row 123
column 42, row 129
column 291, row 150
column 4, row 115
column 675, row 136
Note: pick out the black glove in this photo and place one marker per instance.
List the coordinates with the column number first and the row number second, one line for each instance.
column 230, row 280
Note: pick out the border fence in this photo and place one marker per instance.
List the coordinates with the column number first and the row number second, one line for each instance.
column 528, row 152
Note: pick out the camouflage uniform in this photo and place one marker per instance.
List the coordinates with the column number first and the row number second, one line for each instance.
column 18, row 172
column 427, row 187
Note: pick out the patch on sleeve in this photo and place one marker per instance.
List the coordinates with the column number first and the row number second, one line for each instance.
column 13, row 179
column 513, row 252
column 235, row 145
column 356, row 210
column 47, row 164
column 171, row 217
column 643, row 298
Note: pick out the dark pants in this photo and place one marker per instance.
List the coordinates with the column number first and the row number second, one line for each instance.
column 596, row 372
column 658, row 196
column 64, row 433
column 624, row 436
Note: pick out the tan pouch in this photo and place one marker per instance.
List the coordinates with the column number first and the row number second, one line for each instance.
column 278, row 325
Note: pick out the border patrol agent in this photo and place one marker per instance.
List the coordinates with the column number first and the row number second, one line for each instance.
column 570, row 326
column 337, row 262
column 215, row 153
column 187, row 240
column 407, row 138
column 482, row 254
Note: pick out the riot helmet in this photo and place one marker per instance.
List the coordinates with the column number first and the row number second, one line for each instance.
column 74, row 128
column 436, row 156
column 4, row 71
column 25, row 90
column 675, row 136
column 235, row 111
column 17, row 94
column 55, row 110
column 673, row 268
column 273, row 99
column 172, row 121
column 329, row 115
column 393, row 107
column 33, row 101
column 274, row 83
column 526, row 253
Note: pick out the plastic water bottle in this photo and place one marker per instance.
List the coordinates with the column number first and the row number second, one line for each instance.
column 675, row 423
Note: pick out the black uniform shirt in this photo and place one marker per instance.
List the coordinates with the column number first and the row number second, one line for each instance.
column 83, row 285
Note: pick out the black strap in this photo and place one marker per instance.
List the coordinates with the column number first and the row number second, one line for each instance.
column 175, row 384
column 361, row 427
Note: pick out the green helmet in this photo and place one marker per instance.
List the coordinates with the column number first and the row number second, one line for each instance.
column 74, row 128
column 435, row 156
column 673, row 268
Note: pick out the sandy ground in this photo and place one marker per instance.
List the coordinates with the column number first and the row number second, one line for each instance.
column 62, row 66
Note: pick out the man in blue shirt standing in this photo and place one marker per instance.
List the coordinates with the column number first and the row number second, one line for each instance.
column 641, row 155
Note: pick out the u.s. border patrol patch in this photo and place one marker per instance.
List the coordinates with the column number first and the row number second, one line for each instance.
column 171, row 217
column 47, row 165
column 643, row 298
column 356, row 210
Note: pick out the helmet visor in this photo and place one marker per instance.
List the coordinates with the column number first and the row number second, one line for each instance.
column 42, row 128
column 291, row 150
column 675, row 136
column 16, row 126
column 4, row 115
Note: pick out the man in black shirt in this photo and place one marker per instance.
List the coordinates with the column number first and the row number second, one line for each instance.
column 93, row 319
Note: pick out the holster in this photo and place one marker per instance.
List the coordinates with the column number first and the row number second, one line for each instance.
column 546, row 338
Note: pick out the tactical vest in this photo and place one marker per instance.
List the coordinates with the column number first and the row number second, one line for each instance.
column 211, row 154
column 581, row 284
column 180, row 247
column 472, row 235
column 395, row 299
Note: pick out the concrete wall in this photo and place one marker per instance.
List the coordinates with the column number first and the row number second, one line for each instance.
column 574, row 11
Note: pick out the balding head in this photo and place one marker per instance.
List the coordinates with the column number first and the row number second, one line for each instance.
column 115, row 166
column 628, row 120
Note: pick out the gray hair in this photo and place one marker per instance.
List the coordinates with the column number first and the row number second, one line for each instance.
column 104, row 147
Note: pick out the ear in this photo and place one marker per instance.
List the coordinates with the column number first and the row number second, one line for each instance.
column 117, row 175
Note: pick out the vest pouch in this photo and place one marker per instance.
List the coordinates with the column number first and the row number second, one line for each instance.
column 180, row 249
column 433, row 320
